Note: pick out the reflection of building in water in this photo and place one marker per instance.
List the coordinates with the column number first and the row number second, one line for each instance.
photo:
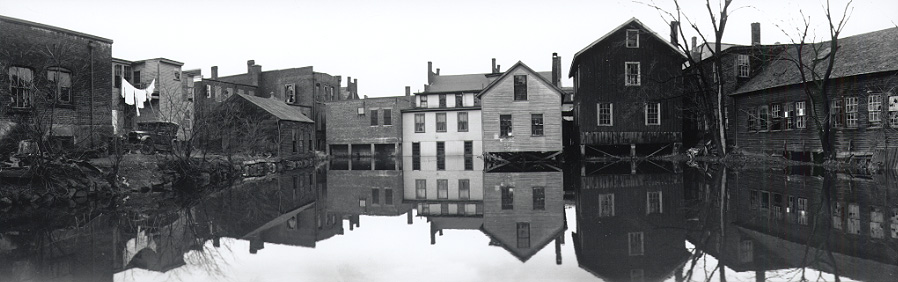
column 775, row 218
column 372, row 192
column 630, row 226
column 523, row 211
column 453, row 191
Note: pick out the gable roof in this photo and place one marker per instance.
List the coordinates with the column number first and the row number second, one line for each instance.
column 524, row 254
column 467, row 82
column 866, row 53
column 528, row 69
column 276, row 108
column 616, row 29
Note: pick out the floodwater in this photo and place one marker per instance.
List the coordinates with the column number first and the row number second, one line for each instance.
column 382, row 220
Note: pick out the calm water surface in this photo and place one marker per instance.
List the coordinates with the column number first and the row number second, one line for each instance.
column 382, row 220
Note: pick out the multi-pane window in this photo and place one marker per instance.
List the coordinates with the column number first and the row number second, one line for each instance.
column 536, row 124
column 632, row 38
column 442, row 100
column 505, row 126
column 635, row 244
column 874, row 109
column 469, row 155
column 893, row 111
column 441, row 122
column 388, row 117
column 743, row 66
column 373, row 117
column 62, row 83
column 836, row 114
column 763, row 118
column 605, row 114
column 421, row 188
column 606, row 205
column 776, row 116
column 507, row 198
column 851, row 112
column 789, row 115
column 854, row 219
column 520, row 87
column 290, row 92
column 442, row 189
column 422, row 101
column 523, row 235
column 653, row 202
column 463, row 122
column 416, row 156
column 800, row 115
column 20, row 84
column 464, row 189
column 419, row 123
column 631, row 71
column 441, row 155
column 539, row 198
column 802, row 210
column 653, row 114
column 459, row 100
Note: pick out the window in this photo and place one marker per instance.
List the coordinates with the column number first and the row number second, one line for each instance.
column 136, row 81
column 362, row 203
column 746, row 251
column 388, row 196
column 605, row 114
column 536, row 124
column 653, row 202
column 416, row 156
column 441, row 155
column 776, row 116
column 765, row 200
column 523, row 235
column 520, row 87
column 459, row 100
column 606, row 205
column 802, row 210
column 422, row 101
column 375, row 196
column 635, row 244
column 894, row 223
column 876, row 219
column 743, row 66
column 851, row 112
column 293, row 139
column 208, row 91
column 893, row 111
column 539, row 198
column 752, row 123
column 763, row 118
column 836, row 115
column 874, row 109
column 176, row 75
column 469, row 155
column 420, row 188
column 854, row 219
column 62, row 83
column 800, row 117
column 442, row 189
column 290, row 93
column 463, row 122
column 442, row 100
column 653, row 114
column 419, row 123
column 20, row 84
column 464, row 189
column 388, row 117
column 632, row 74
column 507, row 197
column 505, row 126
column 441, row 122
column 117, row 79
column 373, row 117
column 632, row 38
column 789, row 115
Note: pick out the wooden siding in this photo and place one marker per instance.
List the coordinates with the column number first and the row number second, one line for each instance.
column 857, row 141
column 625, row 138
column 501, row 224
column 600, row 78
column 541, row 99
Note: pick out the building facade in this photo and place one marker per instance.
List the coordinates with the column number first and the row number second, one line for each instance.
column 367, row 127
column 264, row 126
column 63, row 96
column 624, row 95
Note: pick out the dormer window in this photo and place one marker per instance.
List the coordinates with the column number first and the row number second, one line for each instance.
column 743, row 66
column 423, row 101
column 632, row 38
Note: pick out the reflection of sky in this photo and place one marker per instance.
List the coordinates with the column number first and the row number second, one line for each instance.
column 382, row 249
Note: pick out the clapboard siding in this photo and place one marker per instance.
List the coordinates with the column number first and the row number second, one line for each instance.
column 542, row 98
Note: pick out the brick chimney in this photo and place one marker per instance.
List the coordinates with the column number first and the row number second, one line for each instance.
column 430, row 72
column 556, row 70
column 755, row 34
column 494, row 69
column 674, row 32
column 339, row 85
column 408, row 91
column 254, row 71
column 214, row 72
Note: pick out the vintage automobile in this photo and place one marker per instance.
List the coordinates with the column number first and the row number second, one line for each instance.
column 153, row 136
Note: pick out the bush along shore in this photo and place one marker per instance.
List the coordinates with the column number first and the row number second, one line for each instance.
column 70, row 182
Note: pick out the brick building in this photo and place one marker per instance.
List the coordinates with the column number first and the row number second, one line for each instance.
column 371, row 126
column 57, row 79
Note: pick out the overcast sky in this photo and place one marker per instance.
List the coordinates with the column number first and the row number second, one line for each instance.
column 386, row 44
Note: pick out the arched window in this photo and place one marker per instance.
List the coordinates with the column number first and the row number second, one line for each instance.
column 20, row 86
column 61, row 84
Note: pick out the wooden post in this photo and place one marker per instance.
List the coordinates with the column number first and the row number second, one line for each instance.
column 632, row 167
column 372, row 150
column 582, row 150
column 349, row 150
column 632, row 150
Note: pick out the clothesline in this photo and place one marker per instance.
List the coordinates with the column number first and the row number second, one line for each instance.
column 136, row 97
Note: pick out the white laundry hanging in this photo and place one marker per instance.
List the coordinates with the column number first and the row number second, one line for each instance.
column 136, row 97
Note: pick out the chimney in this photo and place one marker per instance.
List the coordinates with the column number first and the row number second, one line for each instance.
column 214, row 72
column 355, row 87
column 249, row 65
column 429, row 72
column 494, row 70
column 408, row 91
column 339, row 86
column 674, row 32
column 255, row 72
column 755, row 34
column 438, row 71
column 556, row 70
column 695, row 54
column 498, row 68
